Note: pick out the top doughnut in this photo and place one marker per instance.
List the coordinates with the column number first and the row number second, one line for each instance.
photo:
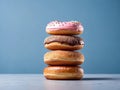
column 64, row 28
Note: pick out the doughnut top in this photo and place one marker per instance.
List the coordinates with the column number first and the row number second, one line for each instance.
column 71, row 25
column 70, row 40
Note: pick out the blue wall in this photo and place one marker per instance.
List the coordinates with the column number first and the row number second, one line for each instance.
column 22, row 32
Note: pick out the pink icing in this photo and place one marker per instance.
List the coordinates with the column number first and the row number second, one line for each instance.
column 71, row 25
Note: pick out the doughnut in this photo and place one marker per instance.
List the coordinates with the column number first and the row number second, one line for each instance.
column 63, row 72
column 60, row 57
column 64, row 28
column 63, row 42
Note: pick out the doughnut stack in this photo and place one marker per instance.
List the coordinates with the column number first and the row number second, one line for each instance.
column 63, row 59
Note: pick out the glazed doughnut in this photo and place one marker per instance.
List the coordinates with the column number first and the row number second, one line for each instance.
column 63, row 42
column 60, row 57
column 63, row 72
column 64, row 28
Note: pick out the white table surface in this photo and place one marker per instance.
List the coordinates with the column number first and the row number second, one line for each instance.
column 38, row 82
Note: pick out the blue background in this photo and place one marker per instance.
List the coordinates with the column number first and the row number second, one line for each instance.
column 22, row 32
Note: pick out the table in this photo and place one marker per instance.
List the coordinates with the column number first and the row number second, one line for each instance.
column 38, row 82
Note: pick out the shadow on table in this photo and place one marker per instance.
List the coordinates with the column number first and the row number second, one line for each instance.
column 91, row 79
column 100, row 78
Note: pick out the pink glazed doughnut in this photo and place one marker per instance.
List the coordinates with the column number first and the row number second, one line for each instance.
column 64, row 28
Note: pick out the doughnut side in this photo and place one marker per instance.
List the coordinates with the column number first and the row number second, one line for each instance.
column 60, row 46
column 60, row 57
column 63, row 72
column 63, row 32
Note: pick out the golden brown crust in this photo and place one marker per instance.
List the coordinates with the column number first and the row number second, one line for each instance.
column 63, row 72
column 60, row 57
column 63, row 32
column 60, row 46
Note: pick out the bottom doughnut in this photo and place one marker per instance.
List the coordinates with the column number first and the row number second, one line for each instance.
column 63, row 72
